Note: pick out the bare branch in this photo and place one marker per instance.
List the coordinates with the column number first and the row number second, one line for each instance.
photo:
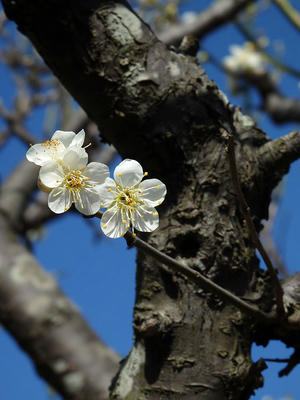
column 282, row 109
column 293, row 361
column 66, row 352
column 278, row 106
column 279, row 153
column 220, row 13
column 16, row 191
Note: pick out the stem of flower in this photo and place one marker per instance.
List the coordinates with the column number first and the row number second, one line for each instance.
column 251, row 228
column 196, row 277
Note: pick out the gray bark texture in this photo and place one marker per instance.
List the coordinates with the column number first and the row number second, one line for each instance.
column 157, row 106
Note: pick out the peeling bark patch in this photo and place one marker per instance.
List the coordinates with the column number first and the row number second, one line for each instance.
column 174, row 69
column 135, row 362
column 124, row 26
column 60, row 366
column 73, row 381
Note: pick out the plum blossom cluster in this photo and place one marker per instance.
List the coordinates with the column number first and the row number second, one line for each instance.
column 69, row 179
column 244, row 59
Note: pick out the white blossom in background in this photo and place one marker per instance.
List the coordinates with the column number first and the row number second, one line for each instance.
column 54, row 148
column 130, row 202
column 189, row 17
column 244, row 59
column 72, row 180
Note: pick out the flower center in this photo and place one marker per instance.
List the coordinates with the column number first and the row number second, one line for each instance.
column 128, row 199
column 74, row 180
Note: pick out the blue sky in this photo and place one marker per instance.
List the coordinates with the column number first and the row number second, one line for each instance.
column 98, row 274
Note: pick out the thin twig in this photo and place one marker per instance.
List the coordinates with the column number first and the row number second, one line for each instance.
column 293, row 361
column 205, row 22
column 195, row 276
column 289, row 11
column 252, row 231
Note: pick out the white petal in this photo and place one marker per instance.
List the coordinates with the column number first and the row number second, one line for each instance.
column 38, row 155
column 90, row 202
column 59, row 200
column 153, row 191
column 75, row 158
column 112, row 223
column 108, row 192
column 145, row 220
column 41, row 153
column 78, row 139
column 97, row 172
column 51, row 174
column 128, row 173
column 65, row 137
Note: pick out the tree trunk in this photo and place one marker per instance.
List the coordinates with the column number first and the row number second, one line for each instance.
column 158, row 106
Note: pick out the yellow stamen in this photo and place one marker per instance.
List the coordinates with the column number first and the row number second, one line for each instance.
column 104, row 226
column 156, row 214
column 51, row 143
column 158, row 186
column 145, row 173
column 109, row 189
column 124, row 221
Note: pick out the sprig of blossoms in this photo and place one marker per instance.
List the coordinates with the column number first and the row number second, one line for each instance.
column 74, row 181
column 66, row 174
column 68, row 178
column 130, row 202
column 54, row 148
column 244, row 59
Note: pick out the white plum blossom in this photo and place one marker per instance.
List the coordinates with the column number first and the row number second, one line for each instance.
column 72, row 180
column 130, row 202
column 244, row 59
column 54, row 148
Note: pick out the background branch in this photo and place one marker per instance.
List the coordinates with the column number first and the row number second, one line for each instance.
column 218, row 14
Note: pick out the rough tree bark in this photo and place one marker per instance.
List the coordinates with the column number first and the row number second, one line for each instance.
column 158, row 106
